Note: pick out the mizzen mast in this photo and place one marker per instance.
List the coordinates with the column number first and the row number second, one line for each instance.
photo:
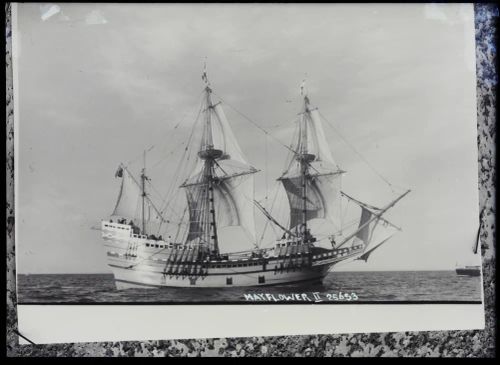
column 143, row 195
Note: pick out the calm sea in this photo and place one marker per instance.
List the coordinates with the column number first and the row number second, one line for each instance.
column 366, row 286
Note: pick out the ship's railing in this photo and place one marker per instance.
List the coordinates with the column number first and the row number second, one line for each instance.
column 171, row 245
column 107, row 224
column 287, row 242
column 124, row 227
column 141, row 236
column 338, row 252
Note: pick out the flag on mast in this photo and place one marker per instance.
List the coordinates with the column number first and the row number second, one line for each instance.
column 204, row 76
column 302, row 86
column 119, row 172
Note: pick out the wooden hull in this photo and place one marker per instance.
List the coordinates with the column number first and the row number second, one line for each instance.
column 137, row 263
column 148, row 278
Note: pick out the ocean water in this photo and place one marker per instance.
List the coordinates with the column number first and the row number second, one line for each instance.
column 386, row 286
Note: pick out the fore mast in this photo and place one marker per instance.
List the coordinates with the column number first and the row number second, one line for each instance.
column 304, row 158
column 312, row 179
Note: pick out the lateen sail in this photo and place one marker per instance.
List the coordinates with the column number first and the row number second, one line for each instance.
column 128, row 204
column 129, row 198
column 233, row 181
column 323, row 178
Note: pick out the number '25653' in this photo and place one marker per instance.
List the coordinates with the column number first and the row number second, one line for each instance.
column 341, row 296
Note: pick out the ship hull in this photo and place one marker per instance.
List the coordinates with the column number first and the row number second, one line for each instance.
column 468, row 272
column 149, row 279
column 137, row 262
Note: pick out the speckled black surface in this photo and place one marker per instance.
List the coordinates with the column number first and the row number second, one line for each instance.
column 439, row 343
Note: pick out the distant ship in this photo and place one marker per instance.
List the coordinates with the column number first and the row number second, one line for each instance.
column 219, row 193
column 468, row 270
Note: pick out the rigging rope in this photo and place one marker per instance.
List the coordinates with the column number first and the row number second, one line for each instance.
column 266, row 167
column 357, row 152
column 161, row 139
column 180, row 166
column 267, row 221
column 255, row 124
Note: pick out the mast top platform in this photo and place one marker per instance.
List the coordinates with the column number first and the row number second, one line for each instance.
column 210, row 154
column 305, row 157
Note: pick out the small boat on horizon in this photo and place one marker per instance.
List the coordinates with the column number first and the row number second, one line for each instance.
column 474, row 270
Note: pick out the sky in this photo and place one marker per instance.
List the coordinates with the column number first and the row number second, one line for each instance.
column 99, row 83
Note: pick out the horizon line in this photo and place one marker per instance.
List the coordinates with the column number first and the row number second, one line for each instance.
column 331, row 272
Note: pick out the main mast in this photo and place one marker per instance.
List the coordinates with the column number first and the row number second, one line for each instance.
column 304, row 157
column 220, row 187
column 209, row 154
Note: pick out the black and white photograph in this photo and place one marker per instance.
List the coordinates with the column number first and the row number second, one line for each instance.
column 274, row 154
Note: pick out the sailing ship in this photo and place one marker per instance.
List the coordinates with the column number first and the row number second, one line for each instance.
column 218, row 193
column 474, row 270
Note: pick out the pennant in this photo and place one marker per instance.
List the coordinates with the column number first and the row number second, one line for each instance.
column 119, row 172
column 302, row 87
column 204, row 76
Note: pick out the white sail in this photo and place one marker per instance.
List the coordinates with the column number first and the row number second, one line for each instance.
column 234, row 203
column 364, row 233
column 322, row 198
column 128, row 204
column 224, row 138
column 374, row 232
column 318, row 145
column 233, row 200
column 233, row 182
column 323, row 178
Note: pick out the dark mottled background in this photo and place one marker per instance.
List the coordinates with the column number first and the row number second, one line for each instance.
column 439, row 343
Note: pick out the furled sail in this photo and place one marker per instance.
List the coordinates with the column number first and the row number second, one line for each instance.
column 322, row 176
column 231, row 176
